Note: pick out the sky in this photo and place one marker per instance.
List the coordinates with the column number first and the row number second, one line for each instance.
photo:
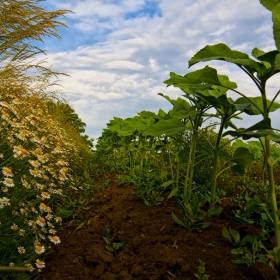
column 119, row 52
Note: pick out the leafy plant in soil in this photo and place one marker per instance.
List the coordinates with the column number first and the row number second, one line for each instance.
column 110, row 245
column 251, row 256
column 201, row 270
column 193, row 213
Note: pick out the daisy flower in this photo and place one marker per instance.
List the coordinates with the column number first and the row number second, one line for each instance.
column 38, row 151
column 42, row 158
column 52, row 231
column 45, row 195
column 2, row 204
column 54, row 239
column 24, row 121
column 40, row 250
column 35, row 139
column 63, row 170
column 4, row 104
column 33, row 209
column 11, row 264
column 6, row 201
column 23, row 211
column 4, row 189
column 43, row 139
column 8, row 182
column 34, row 172
column 40, row 186
column 17, row 149
column 6, row 116
column 42, row 236
column 11, row 139
column 21, row 250
column 34, row 163
column 1, row 155
column 21, row 136
column 58, row 220
column 26, row 184
column 49, row 216
column 58, row 191
column 15, row 213
column 24, row 153
column 15, row 110
column 63, row 177
column 32, row 223
column 43, row 206
column 16, row 101
column 40, row 264
column 7, row 172
column 14, row 227
column 41, row 222
column 29, row 266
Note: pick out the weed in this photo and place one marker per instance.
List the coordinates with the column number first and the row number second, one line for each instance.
column 201, row 270
column 110, row 245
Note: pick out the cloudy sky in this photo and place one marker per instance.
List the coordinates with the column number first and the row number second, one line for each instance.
column 119, row 52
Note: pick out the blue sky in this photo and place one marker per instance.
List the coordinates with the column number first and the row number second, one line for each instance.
column 119, row 52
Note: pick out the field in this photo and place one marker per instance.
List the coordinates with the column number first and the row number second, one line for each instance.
column 155, row 247
column 183, row 194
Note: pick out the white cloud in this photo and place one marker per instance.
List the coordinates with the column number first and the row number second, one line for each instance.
column 122, row 64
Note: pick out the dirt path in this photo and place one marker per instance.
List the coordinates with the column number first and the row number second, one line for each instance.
column 155, row 247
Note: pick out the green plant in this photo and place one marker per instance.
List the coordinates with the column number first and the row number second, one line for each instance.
column 148, row 188
column 201, row 270
column 110, row 245
column 193, row 213
column 251, row 256
column 234, row 237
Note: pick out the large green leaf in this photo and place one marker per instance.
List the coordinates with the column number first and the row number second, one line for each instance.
column 269, row 4
column 252, row 110
column 241, row 157
column 274, row 7
column 256, row 52
column 167, row 97
column 276, row 25
column 168, row 127
column 126, row 131
column 277, row 63
column 200, row 79
column 268, row 57
column 223, row 52
column 260, row 129
column 263, row 124
column 182, row 109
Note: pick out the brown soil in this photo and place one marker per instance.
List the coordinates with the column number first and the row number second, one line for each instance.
column 155, row 247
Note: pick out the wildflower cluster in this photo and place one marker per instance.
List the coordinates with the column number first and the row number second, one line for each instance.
column 35, row 171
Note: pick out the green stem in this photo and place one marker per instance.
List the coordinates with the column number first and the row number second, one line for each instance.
column 215, row 165
column 14, row 269
column 269, row 163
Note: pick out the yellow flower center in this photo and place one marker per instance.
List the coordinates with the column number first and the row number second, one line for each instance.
column 8, row 170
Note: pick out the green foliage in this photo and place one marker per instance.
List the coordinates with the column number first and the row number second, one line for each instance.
column 274, row 7
column 110, row 245
column 252, row 256
column 201, row 270
column 193, row 213
column 148, row 187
